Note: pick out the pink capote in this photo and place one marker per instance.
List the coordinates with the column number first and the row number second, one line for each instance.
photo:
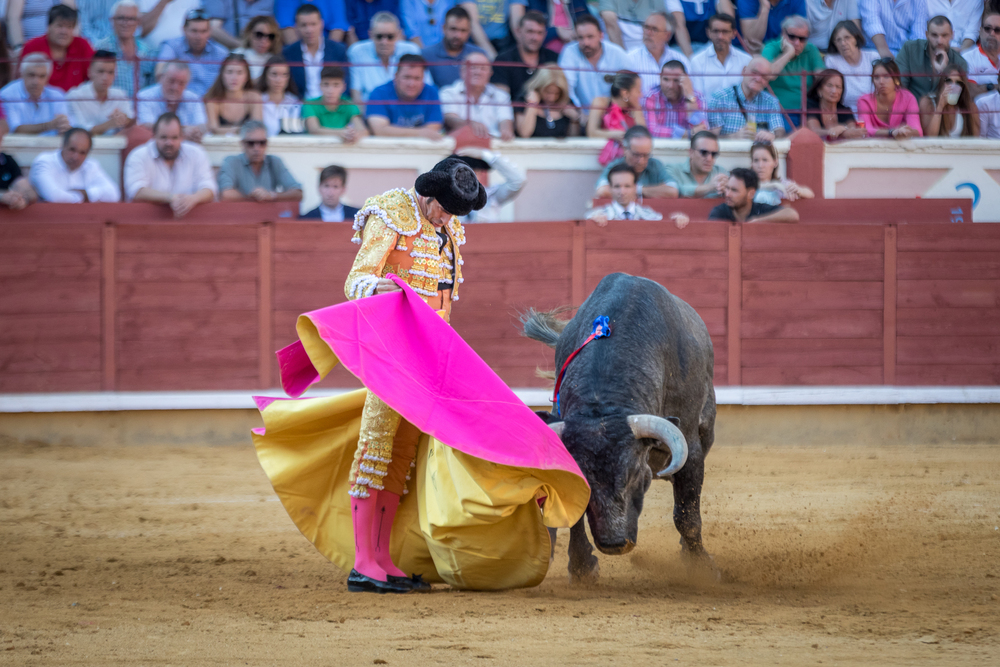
column 413, row 360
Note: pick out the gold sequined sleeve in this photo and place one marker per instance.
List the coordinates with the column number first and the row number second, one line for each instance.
column 376, row 244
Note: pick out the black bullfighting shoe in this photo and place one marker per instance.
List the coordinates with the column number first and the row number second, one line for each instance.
column 359, row 583
column 416, row 582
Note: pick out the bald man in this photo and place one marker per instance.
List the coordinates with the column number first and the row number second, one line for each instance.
column 474, row 101
column 747, row 111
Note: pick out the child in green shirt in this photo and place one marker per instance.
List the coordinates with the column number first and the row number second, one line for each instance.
column 333, row 113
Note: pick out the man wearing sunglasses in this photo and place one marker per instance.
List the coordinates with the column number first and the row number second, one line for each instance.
column 230, row 18
column 984, row 59
column 790, row 56
column 760, row 20
column 375, row 59
column 203, row 55
column 255, row 175
column 700, row 177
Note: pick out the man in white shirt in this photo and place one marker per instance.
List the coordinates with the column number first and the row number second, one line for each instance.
column 587, row 61
column 989, row 114
column 375, row 59
column 95, row 105
column 31, row 104
column 648, row 60
column 68, row 176
column 984, row 59
column 474, row 101
column 172, row 94
column 168, row 170
column 482, row 160
column 721, row 65
column 624, row 206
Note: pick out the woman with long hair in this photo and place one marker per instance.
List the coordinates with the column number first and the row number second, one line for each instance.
column 232, row 100
column 828, row 116
column 845, row 55
column 279, row 102
column 891, row 111
column 611, row 116
column 548, row 111
column 261, row 42
column 950, row 111
column 772, row 189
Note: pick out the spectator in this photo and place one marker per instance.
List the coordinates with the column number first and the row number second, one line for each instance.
column 481, row 161
column 232, row 99
column 844, row 54
column 333, row 13
column 454, row 48
column 423, row 20
column 720, row 65
column 623, row 204
column 255, row 175
column 700, row 177
column 7, row 65
column 333, row 113
column 548, row 112
column 828, row 116
column 760, row 20
column 747, row 111
column 984, row 59
column 950, row 110
column 649, row 57
column 360, row 13
column 96, row 106
column 15, row 190
column 529, row 54
column 94, row 25
column 672, row 109
column 69, row 54
column 825, row 15
column 68, row 177
column 160, row 20
column 33, row 106
column 420, row 113
column 332, row 182
column 889, row 23
column 965, row 17
column 476, row 102
column 493, row 21
column 740, row 205
column 374, row 60
column 231, row 18
column 281, row 109
column 261, row 42
column 652, row 174
column 988, row 106
column 172, row 94
column 201, row 53
column 771, row 189
column 311, row 51
column 624, row 20
column 26, row 19
column 891, row 111
column 586, row 62
column 132, row 53
column 692, row 19
column 168, row 170
column 923, row 60
column 612, row 116
column 792, row 55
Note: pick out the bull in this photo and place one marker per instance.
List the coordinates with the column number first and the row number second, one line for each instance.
column 639, row 400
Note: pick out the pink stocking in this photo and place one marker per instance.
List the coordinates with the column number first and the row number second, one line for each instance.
column 385, row 513
column 363, row 513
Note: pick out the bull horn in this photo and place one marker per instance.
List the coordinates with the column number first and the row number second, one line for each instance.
column 661, row 430
column 557, row 428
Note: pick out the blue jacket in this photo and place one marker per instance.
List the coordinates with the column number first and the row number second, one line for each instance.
column 349, row 213
column 333, row 52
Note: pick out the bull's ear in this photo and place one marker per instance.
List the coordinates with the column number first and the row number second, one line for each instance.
column 547, row 416
column 675, row 421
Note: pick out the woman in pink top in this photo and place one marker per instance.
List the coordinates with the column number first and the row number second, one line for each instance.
column 891, row 111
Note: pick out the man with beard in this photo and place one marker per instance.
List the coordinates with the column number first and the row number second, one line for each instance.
column 721, row 64
column 984, row 59
column 528, row 54
column 740, row 206
column 168, row 170
column 453, row 48
column 587, row 61
column 920, row 60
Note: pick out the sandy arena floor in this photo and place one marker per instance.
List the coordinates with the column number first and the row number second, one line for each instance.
column 183, row 556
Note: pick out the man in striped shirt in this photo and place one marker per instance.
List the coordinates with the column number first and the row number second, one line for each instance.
column 890, row 23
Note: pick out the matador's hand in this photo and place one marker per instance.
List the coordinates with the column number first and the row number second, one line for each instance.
column 384, row 286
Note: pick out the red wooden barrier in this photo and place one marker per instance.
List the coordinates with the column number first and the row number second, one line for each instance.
column 113, row 303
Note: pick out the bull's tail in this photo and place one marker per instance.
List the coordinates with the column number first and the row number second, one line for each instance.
column 543, row 327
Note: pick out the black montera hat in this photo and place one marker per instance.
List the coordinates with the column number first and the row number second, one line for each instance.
column 454, row 185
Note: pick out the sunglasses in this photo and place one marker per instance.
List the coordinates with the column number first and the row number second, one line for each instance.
column 381, row 36
column 704, row 153
column 991, row 30
column 264, row 35
column 796, row 38
column 253, row 143
column 196, row 15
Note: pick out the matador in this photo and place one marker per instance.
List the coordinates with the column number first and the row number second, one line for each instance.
column 415, row 235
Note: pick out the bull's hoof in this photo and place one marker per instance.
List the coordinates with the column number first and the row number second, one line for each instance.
column 701, row 565
column 586, row 574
